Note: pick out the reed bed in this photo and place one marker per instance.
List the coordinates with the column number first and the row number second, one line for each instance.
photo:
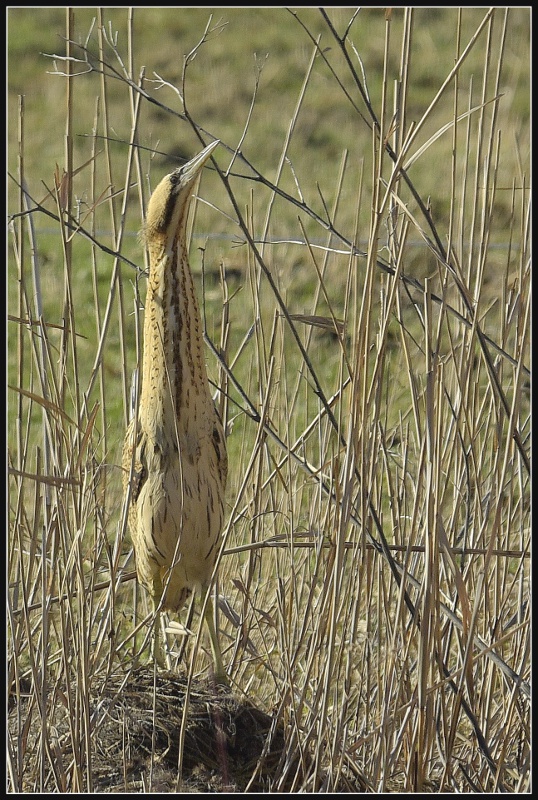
column 367, row 317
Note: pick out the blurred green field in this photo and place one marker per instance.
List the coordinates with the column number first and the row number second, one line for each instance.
column 221, row 80
column 245, row 45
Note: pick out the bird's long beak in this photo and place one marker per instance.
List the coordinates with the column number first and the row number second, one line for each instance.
column 190, row 170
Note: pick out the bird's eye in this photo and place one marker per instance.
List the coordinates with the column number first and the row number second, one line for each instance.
column 175, row 178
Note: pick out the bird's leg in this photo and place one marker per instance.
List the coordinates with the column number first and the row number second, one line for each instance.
column 220, row 672
column 157, row 650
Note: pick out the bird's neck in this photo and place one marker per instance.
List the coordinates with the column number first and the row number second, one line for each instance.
column 174, row 376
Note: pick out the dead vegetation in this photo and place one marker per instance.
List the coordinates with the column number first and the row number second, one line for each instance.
column 139, row 719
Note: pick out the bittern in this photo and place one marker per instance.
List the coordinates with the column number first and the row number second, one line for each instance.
column 174, row 456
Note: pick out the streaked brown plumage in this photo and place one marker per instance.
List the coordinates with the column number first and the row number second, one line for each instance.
column 177, row 472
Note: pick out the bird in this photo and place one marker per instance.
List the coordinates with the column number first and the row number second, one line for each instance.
column 174, row 455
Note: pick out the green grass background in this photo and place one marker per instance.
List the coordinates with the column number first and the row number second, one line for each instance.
column 220, row 85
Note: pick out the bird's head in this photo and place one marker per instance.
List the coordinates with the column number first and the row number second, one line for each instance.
column 169, row 203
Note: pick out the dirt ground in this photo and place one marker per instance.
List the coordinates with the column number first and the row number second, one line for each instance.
column 136, row 723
